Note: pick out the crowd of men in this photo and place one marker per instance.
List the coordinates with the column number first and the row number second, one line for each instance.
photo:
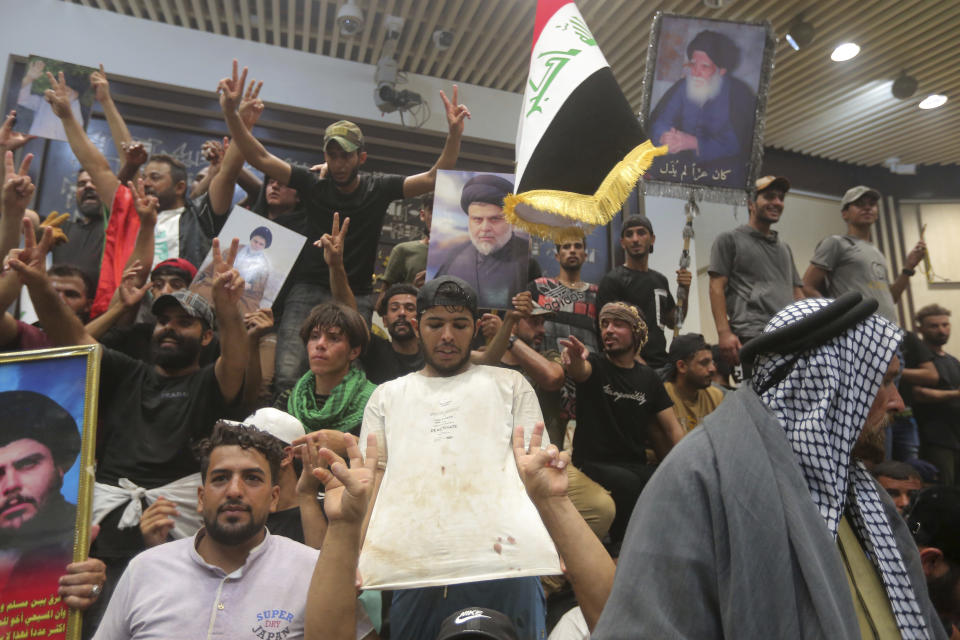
column 234, row 442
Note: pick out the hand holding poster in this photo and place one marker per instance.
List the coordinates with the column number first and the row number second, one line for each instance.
column 47, row 420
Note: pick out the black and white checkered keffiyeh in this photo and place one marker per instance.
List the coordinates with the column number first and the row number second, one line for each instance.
column 822, row 404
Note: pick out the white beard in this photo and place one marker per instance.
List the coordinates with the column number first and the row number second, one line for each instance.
column 700, row 91
column 486, row 248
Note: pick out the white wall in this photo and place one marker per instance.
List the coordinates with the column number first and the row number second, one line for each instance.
column 184, row 57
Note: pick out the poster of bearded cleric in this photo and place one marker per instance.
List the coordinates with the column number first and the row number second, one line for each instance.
column 48, row 407
column 470, row 238
column 705, row 95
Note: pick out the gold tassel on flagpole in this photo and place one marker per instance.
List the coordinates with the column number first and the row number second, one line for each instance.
column 562, row 215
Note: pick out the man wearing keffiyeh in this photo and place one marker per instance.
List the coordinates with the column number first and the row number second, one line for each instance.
column 764, row 523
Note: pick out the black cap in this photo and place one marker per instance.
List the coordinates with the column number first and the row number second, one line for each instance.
column 477, row 621
column 934, row 520
column 28, row 415
column 636, row 221
column 487, row 188
column 447, row 291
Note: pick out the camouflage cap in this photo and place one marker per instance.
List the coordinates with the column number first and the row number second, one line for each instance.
column 344, row 133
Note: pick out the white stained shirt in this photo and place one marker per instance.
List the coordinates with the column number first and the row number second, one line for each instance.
column 166, row 243
column 451, row 507
column 169, row 591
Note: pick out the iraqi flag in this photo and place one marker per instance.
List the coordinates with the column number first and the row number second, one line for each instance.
column 580, row 148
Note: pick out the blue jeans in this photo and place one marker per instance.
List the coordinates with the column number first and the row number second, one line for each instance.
column 291, row 360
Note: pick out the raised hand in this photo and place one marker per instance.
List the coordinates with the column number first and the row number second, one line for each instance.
column 252, row 106
column 30, row 262
column 157, row 522
column 332, row 243
column 684, row 278
column 101, row 87
column 489, row 325
column 307, row 448
column 522, row 305
column 916, row 255
column 145, row 205
column 18, row 188
column 59, row 95
column 11, row 140
column 213, row 151
column 227, row 284
column 543, row 471
column 134, row 153
column 420, row 279
column 130, row 293
column 231, row 90
column 456, row 112
column 258, row 323
column 54, row 220
column 34, row 71
column 347, row 491
column 573, row 350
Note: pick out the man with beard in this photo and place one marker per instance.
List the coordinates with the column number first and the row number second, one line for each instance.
column 457, row 419
column 85, row 231
column 937, row 409
column 635, row 283
column 38, row 445
column 690, row 381
column 242, row 581
column 389, row 359
column 363, row 197
column 752, row 273
column 151, row 413
column 622, row 409
column 934, row 521
column 707, row 116
column 494, row 260
column 408, row 260
column 763, row 522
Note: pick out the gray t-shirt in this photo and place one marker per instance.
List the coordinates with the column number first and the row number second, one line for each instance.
column 761, row 276
column 853, row 264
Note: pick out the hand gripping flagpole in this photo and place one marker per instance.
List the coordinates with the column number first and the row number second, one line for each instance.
column 683, row 292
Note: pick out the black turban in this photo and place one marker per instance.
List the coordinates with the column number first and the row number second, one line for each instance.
column 723, row 51
column 28, row 415
column 485, row 188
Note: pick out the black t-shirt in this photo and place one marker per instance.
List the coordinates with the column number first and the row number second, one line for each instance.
column 149, row 422
column 286, row 523
column 381, row 363
column 915, row 353
column 615, row 407
column 939, row 422
column 85, row 246
column 366, row 207
column 649, row 292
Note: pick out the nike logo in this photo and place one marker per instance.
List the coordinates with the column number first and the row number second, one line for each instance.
column 470, row 614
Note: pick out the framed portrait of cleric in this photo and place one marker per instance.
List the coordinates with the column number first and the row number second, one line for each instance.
column 705, row 94
column 470, row 238
column 48, row 414
column 34, row 115
column 266, row 256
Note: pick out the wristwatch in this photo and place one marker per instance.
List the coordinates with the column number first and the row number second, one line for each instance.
column 908, row 272
column 510, row 341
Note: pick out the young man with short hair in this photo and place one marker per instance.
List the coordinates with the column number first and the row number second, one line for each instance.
column 752, row 273
column 690, row 382
column 635, row 283
column 852, row 262
column 241, row 580
column 901, row 481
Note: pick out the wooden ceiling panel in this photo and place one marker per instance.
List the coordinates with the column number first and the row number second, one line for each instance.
column 839, row 111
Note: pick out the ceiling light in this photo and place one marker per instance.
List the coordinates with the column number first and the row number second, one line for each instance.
column 799, row 33
column 845, row 52
column 350, row 19
column 904, row 86
column 933, row 101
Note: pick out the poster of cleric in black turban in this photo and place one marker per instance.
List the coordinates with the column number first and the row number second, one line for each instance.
column 47, row 417
column 470, row 238
column 705, row 98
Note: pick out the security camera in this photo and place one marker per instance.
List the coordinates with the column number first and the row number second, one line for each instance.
column 350, row 19
column 442, row 39
column 393, row 25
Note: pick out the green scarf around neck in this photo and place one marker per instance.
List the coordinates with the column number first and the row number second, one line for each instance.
column 342, row 411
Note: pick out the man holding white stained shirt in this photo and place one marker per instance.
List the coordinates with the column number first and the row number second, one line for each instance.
column 450, row 482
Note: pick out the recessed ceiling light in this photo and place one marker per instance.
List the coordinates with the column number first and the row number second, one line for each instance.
column 933, row 101
column 845, row 51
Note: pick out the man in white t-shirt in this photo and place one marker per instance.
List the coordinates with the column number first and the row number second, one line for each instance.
column 470, row 536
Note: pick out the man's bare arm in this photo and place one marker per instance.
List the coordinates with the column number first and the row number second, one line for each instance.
column 422, row 183
column 231, row 92
column 728, row 342
column 927, row 395
column 924, row 374
column 333, row 244
column 118, row 128
column 574, row 359
column 227, row 290
column 92, row 161
column 814, row 281
column 666, row 432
